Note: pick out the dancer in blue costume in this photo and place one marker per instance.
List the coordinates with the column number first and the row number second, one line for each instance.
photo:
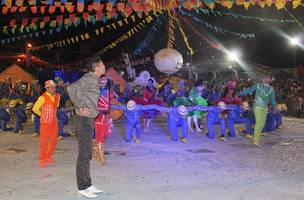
column 237, row 116
column 4, row 116
column 133, row 112
column 217, row 115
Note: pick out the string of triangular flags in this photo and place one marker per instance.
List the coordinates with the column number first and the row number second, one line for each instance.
column 116, row 24
column 149, row 37
column 85, row 36
column 113, row 44
column 209, row 42
column 66, row 21
column 216, row 28
column 52, row 6
column 239, row 16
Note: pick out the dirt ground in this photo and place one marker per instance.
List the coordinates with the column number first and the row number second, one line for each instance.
column 159, row 169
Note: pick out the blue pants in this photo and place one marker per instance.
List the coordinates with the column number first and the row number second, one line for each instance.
column 210, row 126
column 18, row 125
column 60, row 129
column 270, row 123
column 278, row 120
column 3, row 125
column 129, row 130
column 36, row 124
column 248, row 125
column 173, row 124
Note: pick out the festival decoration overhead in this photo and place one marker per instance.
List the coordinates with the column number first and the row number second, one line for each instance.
column 216, row 28
column 149, row 37
column 168, row 60
column 171, row 28
column 98, row 32
column 218, row 13
column 128, row 6
column 142, row 24
column 184, row 36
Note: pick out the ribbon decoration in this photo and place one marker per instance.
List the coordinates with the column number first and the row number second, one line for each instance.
column 239, row 16
column 171, row 28
column 184, row 36
column 210, row 43
column 149, row 37
column 218, row 29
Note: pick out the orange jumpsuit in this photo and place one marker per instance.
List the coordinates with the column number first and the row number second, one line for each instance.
column 48, row 126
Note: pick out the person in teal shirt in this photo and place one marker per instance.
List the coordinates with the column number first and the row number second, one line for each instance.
column 264, row 94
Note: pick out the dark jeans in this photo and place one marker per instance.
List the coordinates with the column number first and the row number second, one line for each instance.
column 84, row 129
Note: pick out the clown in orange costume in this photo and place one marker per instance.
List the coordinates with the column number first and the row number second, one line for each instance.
column 46, row 107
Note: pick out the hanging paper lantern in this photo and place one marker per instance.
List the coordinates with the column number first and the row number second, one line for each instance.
column 168, row 60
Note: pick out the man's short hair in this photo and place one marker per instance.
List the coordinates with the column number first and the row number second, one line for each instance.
column 92, row 63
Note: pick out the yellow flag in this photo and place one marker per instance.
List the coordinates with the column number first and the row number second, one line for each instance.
column 296, row 3
column 149, row 19
column 239, row 2
column 211, row 6
column 97, row 32
column 120, row 23
column 86, row 36
column 280, row 4
column 226, row 3
column 268, row 3
column 114, row 26
column 262, row 4
column 246, row 5
column 42, row 24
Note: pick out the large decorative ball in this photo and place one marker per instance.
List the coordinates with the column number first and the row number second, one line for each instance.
column 168, row 60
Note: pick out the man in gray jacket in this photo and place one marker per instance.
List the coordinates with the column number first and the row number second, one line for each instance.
column 84, row 93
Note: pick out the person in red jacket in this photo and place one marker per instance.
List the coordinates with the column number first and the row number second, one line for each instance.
column 46, row 107
column 102, row 121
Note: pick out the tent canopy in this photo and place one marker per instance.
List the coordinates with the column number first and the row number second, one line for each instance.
column 16, row 74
